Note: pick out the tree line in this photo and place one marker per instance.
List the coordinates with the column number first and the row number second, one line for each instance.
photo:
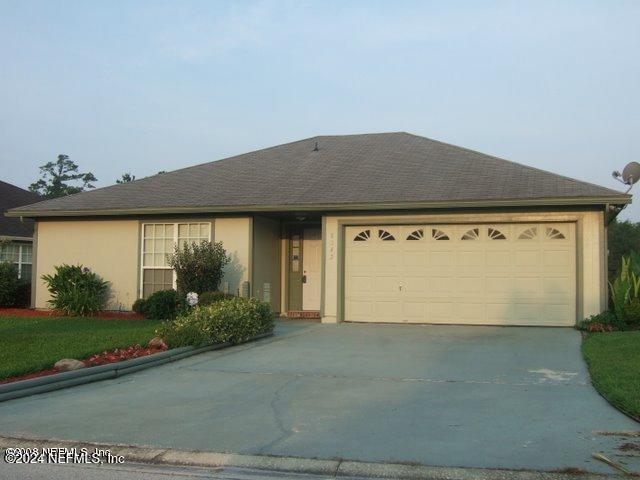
column 63, row 177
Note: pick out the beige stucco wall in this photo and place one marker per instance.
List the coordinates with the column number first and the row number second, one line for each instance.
column 235, row 235
column 590, row 243
column 109, row 247
column 266, row 260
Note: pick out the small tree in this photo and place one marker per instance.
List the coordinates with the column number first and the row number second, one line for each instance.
column 199, row 267
column 54, row 178
column 126, row 178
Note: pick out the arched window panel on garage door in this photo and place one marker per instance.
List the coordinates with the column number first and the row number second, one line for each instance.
column 529, row 233
column 471, row 234
column 363, row 236
column 553, row 233
column 385, row 235
column 438, row 234
column 417, row 234
column 495, row 233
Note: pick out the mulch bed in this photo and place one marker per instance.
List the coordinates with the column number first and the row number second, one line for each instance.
column 112, row 356
column 32, row 312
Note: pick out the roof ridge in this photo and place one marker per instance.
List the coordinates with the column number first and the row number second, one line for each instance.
column 535, row 169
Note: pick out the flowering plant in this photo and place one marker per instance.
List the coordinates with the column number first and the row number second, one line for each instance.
column 192, row 299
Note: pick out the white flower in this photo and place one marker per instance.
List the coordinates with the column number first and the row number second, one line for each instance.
column 192, row 298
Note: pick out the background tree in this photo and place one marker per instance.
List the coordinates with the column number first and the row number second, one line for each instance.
column 126, row 178
column 623, row 238
column 55, row 177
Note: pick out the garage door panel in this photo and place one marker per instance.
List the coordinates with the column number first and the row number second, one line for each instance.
column 557, row 286
column 470, row 285
column 469, row 312
column 442, row 285
column 503, row 274
column 500, row 285
column 470, row 258
column 528, row 286
column 414, row 285
column 415, row 259
column 441, row 312
column 386, row 284
column 557, row 258
column 439, row 258
column 385, row 311
column 527, row 258
column 498, row 258
column 500, row 313
column 414, row 311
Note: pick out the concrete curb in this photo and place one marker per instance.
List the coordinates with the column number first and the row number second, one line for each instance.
column 333, row 468
column 24, row 388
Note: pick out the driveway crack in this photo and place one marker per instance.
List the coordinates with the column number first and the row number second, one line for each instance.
column 280, row 407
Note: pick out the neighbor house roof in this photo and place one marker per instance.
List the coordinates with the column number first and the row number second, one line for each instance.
column 10, row 197
column 386, row 170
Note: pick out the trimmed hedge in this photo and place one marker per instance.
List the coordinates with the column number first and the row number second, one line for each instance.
column 161, row 305
column 232, row 320
column 207, row 298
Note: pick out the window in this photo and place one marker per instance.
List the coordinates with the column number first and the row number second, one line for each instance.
column 158, row 241
column 496, row 234
column 473, row 234
column 439, row 234
column 385, row 236
column 416, row 235
column 363, row 236
column 554, row 234
column 19, row 254
column 529, row 234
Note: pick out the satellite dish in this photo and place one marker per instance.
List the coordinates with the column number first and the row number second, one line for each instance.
column 631, row 173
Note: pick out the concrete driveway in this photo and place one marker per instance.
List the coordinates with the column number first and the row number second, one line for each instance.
column 438, row 395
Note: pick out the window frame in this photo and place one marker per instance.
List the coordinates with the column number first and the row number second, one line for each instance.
column 176, row 226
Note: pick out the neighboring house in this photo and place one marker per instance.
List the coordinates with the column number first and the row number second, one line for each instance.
column 387, row 227
column 16, row 234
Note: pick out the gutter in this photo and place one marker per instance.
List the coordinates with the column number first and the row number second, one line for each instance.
column 615, row 200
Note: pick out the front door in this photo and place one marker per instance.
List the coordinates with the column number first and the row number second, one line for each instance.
column 311, row 259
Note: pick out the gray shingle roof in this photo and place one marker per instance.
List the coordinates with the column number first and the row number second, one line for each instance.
column 10, row 197
column 386, row 168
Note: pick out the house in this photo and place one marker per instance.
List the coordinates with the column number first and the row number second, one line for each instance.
column 387, row 227
column 16, row 234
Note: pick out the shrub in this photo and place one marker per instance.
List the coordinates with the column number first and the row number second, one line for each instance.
column 162, row 305
column 140, row 306
column 23, row 294
column 199, row 267
column 632, row 315
column 9, row 284
column 232, row 320
column 76, row 290
column 602, row 322
column 207, row 298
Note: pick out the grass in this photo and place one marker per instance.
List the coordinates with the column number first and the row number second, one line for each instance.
column 614, row 364
column 30, row 344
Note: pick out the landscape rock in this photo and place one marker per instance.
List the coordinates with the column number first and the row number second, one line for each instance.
column 68, row 364
column 157, row 342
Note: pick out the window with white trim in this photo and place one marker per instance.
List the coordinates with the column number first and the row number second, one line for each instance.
column 20, row 255
column 158, row 241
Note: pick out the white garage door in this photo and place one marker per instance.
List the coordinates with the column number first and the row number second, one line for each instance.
column 502, row 274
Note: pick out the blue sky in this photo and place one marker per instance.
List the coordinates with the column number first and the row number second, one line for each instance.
column 147, row 86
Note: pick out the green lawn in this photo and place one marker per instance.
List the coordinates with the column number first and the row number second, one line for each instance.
column 614, row 364
column 36, row 343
